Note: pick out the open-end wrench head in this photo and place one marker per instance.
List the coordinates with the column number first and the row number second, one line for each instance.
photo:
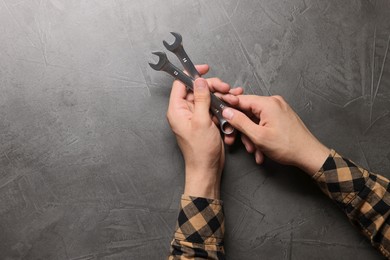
column 161, row 62
column 178, row 41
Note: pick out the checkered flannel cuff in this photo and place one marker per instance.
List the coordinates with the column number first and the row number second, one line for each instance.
column 341, row 179
column 200, row 221
column 364, row 196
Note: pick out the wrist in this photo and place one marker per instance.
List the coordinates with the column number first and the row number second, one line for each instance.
column 314, row 158
column 202, row 183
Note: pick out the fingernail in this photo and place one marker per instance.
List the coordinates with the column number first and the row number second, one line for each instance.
column 227, row 113
column 200, row 84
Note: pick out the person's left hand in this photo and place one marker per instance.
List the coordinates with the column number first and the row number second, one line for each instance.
column 198, row 137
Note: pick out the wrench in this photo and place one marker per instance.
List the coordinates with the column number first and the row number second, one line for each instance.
column 177, row 48
column 217, row 105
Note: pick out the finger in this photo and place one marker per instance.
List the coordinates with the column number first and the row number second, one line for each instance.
column 236, row 91
column 243, row 123
column 259, row 157
column 229, row 139
column 201, row 101
column 202, row 69
column 229, row 98
column 217, row 85
column 190, row 106
column 252, row 103
column 178, row 92
column 215, row 120
column 178, row 88
column 190, row 97
column 249, row 145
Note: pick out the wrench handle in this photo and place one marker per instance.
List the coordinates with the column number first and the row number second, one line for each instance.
column 179, row 75
column 186, row 62
column 216, row 106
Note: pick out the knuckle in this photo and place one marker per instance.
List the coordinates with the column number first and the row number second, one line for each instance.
column 279, row 101
column 200, row 98
column 214, row 82
column 168, row 115
column 273, row 99
column 217, row 80
column 280, row 98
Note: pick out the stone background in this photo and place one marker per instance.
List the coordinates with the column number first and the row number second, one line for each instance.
column 89, row 168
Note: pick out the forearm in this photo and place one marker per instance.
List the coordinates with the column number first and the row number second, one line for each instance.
column 199, row 229
column 362, row 195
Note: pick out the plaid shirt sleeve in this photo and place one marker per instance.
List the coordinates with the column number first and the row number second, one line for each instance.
column 362, row 195
column 199, row 230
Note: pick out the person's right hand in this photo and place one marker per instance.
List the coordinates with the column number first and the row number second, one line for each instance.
column 270, row 127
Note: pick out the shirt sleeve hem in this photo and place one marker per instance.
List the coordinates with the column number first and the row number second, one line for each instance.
column 210, row 201
column 320, row 172
column 206, row 240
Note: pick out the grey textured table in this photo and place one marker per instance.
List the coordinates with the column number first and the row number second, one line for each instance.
column 89, row 168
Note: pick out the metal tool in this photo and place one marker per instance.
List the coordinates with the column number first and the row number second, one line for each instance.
column 177, row 48
column 217, row 105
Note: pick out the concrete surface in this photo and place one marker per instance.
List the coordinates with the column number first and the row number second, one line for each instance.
column 89, row 168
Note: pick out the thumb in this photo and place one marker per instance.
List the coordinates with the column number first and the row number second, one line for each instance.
column 242, row 123
column 201, row 99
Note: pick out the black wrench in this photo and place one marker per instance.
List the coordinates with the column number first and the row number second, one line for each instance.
column 177, row 48
column 217, row 105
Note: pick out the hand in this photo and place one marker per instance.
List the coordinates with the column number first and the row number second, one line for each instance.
column 221, row 90
column 270, row 127
column 198, row 137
